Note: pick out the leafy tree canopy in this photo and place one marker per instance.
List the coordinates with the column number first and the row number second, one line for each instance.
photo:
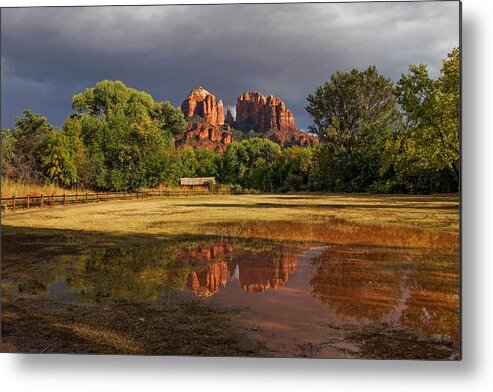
column 432, row 109
column 351, row 102
column 24, row 146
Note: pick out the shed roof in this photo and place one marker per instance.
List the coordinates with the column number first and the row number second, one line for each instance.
column 197, row 180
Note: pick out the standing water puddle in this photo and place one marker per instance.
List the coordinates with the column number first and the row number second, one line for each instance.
column 290, row 297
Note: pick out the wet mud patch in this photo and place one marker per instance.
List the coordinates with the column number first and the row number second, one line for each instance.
column 121, row 327
column 391, row 341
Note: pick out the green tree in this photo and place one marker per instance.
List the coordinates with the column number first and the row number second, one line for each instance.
column 110, row 98
column 7, row 152
column 344, row 108
column 93, row 131
column 251, row 163
column 188, row 163
column 170, row 119
column 72, row 130
column 208, row 163
column 25, row 144
column 128, row 137
column 57, row 160
column 293, row 169
column 429, row 142
column 354, row 115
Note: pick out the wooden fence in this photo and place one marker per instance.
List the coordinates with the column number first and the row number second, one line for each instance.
column 15, row 203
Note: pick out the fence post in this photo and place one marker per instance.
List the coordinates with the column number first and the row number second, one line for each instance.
column 124, row 195
column 76, row 198
column 52, row 200
column 86, row 197
column 97, row 197
column 13, row 203
column 27, row 201
column 64, row 199
column 106, row 196
column 42, row 203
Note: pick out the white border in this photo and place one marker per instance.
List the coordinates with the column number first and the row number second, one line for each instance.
column 127, row 373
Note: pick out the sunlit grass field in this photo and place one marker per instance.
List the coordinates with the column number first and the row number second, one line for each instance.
column 36, row 241
column 190, row 215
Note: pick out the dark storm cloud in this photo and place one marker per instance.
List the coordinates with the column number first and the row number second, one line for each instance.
column 49, row 54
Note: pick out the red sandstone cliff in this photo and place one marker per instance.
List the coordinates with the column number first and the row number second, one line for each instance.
column 260, row 113
column 201, row 134
column 205, row 118
column 270, row 117
column 202, row 103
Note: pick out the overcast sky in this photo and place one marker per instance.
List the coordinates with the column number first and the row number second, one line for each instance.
column 50, row 54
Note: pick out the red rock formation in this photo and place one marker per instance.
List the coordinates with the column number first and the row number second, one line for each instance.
column 202, row 103
column 260, row 113
column 291, row 138
column 218, row 251
column 220, row 113
column 229, row 116
column 269, row 116
column 208, row 129
column 202, row 134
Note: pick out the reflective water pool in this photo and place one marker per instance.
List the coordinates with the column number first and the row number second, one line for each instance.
column 287, row 293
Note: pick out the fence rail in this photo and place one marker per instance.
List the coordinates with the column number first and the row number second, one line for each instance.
column 15, row 203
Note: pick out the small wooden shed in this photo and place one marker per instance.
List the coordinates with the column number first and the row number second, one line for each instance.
column 197, row 183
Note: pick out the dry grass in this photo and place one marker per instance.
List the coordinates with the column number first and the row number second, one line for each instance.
column 200, row 214
column 33, row 239
column 339, row 231
column 12, row 188
column 162, row 328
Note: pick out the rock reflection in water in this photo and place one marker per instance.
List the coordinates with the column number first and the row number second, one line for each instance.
column 209, row 267
column 256, row 272
column 268, row 270
column 417, row 288
column 208, row 281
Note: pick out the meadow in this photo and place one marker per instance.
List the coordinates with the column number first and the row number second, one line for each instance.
column 112, row 277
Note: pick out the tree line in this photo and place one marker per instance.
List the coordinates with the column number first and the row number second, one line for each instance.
column 374, row 136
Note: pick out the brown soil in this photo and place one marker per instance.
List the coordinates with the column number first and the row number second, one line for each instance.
column 164, row 328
